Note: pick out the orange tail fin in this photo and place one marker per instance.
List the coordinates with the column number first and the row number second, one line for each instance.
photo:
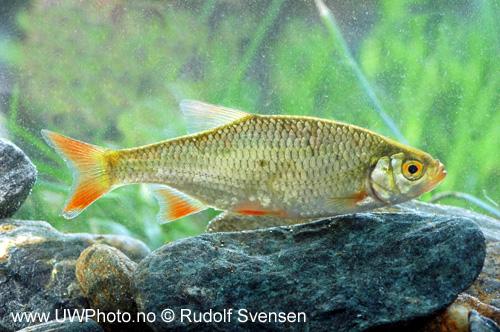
column 88, row 162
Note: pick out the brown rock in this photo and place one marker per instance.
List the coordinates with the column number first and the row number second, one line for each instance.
column 472, row 303
column 37, row 268
column 487, row 285
column 134, row 249
column 466, row 314
column 454, row 319
column 104, row 274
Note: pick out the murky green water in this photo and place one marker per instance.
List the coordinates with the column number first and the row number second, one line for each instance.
column 112, row 73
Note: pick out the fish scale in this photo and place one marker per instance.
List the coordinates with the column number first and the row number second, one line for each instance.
column 274, row 160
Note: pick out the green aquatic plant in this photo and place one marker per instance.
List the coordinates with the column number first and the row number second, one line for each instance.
column 343, row 51
column 438, row 74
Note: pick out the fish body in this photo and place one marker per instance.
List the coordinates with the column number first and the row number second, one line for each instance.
column 263, row 165
column 293, row 166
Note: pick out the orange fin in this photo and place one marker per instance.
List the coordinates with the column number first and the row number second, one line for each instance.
column 256, row 209
column 88, row 163
column 175, row 204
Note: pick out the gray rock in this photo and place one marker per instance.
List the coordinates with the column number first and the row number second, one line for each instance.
column 486, row 287
column 104, row 274
column 490, row 226
column 227, row 222
column 232, row 222
column 65, row 326
column 37, row 268
column 17, row 177
column 478, row 323
column 350, row 273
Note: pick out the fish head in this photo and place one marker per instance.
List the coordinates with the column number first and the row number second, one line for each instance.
column 404, row 175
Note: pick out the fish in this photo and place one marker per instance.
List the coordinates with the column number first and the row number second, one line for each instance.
column 276, row 166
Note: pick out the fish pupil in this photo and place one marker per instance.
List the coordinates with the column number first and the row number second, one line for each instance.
column 412, row 169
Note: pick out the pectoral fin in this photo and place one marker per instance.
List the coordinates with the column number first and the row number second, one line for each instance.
column 347, row 203
column 202, row 116
column 175, row 204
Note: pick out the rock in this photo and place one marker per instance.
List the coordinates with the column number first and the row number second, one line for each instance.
column 487, row 286
column 478, row 323
column 227, row 222
column 37, row 268
column 104, row 274
column 454, row 318
column 464, row 315
column 489, row 225
column 134, row 249
column 65, row 326
column 349, row 273
column 474, row 304
column 231, row 222
column 17, row 177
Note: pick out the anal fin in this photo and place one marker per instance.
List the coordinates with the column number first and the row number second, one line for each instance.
column 175, row 204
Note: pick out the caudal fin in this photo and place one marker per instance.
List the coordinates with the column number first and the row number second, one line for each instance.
column 90, row 177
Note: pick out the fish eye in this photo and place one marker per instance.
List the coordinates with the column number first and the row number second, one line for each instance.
column 412, row 169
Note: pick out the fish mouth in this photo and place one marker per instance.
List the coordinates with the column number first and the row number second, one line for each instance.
column 437, row 178
column 441, row 172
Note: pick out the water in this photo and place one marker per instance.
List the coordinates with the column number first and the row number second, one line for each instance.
column 112, row 73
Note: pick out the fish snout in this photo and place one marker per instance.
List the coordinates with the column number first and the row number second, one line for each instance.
column 438, row 174
column 441, row 172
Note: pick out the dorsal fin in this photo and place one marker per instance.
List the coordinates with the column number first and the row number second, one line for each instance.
column 202, row 116
column 175, row 204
